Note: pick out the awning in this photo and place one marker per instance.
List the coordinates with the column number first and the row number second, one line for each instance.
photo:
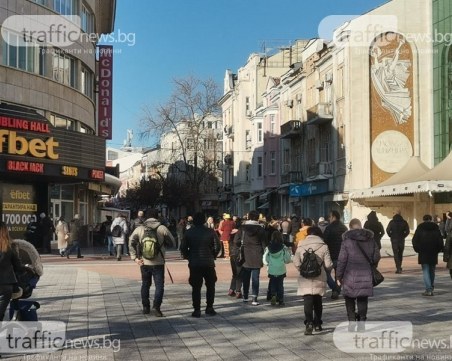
column 414, row 177
column 264, row 206
column 250, row 199
column 115, row 182
column 263, row 196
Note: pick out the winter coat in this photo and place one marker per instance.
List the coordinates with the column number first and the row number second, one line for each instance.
column 378, row 230
column 122, row 222
column 447, row 256
column 333, row 237
column 164, row 237
column 353, row 269
column 62, row 229
column 136, row 223
column 397, row 229
column 225, row 229
column 9, row 266
column 295, row 225
column 200, row 246
column 75, row 228
column 428, row 242
column 254, row 240
column 276, row 256
column 317, row 285
column 301, row 234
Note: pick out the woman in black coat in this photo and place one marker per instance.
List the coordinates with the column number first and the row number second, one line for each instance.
column 374, row 225
column 427, row 243
column 9, row 264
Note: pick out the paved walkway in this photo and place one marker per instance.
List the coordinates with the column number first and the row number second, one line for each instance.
column 99, row 298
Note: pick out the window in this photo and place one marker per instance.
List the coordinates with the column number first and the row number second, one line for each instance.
column 63, row 68
column 28, row 58
column 259, row 167
column 272, row 124
column 41, row 2
column 65, row 7
column 87, row 20
column 272, row 162
column 259, row 132
column 60, row 122
column 87, row 81
column 190, row 143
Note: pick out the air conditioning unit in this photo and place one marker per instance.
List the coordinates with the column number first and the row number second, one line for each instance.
column 329, row 77
column 319, row 84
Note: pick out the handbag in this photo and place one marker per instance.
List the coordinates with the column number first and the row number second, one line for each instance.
column 240, row 259
column 377, row 277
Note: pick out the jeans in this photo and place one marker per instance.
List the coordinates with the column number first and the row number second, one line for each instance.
column 75, row 246
column 332, row 281
column 110, row 245
column 397, row 250
column 361, row 302
column 197, row 276
column 277, row 286
column 428, row 271
column 119, row 250
column 313, row 309
column 5, row 296
column 147, row 273
column 250, row 275
column 236, row 281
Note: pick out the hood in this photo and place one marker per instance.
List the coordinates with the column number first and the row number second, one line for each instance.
column 151, row 223
column 252, row 227
column 360, row 235
column 372, row 216
column 310, row 241
column 397, row 218
column 275, row 247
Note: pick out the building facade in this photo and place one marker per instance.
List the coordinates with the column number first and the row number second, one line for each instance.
column 52, row 160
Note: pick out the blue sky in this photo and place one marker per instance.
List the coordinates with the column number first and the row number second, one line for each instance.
column 160, row 40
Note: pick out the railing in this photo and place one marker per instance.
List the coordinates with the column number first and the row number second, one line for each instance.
column 321, row 168
column 291, row 129
column 292, row 177
column 320, row 111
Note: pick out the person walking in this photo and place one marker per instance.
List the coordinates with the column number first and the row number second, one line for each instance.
column 75, row 226
column 46, row 231
column 397, row 231
column 180, row 231
column 62, row 233
column 295, row 225
column 106, row 227
column 225, row 229
column 427, row 243
column 313, row 289
column 374, row 225
column 322, row 224
column 119, row 234
column 254, row 239
column 332, row 236
column 354, row 273
column 276, row 256
column 137, row 221
column 9, row 266
column 286, row 230
column 303, row 232
column 151, row 268
column 200, row 246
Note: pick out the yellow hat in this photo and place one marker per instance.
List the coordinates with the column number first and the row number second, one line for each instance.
column 226, row 216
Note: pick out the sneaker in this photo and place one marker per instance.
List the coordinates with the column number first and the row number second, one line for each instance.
column 146, row 310
column 309, row 329
column 351, row 326
column 196, row 313
column 238, row 294
column 427, row 293
column 157, row 312
column 334, row 295
column 231, row 293
column 318, row 328
column 255, row 302
column 210, row 311
column 273, row 301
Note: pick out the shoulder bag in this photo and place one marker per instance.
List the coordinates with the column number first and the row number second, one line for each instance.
column 377, row 277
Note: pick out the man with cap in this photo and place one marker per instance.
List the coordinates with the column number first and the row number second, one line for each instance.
column 225, row 228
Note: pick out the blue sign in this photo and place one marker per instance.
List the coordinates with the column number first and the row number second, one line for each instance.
column 308, row 189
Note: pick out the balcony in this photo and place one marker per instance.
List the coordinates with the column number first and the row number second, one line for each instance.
column 292, row 177
column 291, row 129
column 321, row 168
column 320, row 114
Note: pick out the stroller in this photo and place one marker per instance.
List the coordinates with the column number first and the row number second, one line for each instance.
column 20, row 308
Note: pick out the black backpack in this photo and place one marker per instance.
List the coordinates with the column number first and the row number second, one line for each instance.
column 116, row 231
column 310, row 267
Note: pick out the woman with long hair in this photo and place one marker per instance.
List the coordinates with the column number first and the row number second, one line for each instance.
column 9, row 264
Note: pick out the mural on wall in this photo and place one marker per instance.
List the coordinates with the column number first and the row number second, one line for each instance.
column 391, row 113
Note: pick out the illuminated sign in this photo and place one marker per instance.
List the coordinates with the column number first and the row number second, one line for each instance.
column 69, row 171
column 21, row 166
column 23, row 124
column 18, row 145
column 97, row 174
column 105, row 113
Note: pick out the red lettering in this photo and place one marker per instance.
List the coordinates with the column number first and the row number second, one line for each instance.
column 20, row 166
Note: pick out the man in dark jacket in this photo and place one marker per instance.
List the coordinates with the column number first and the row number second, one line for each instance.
column 428, row 242
column 397, row 231
column 333, row 239
column 200, row 246
column 137, row 221
column 254, row 238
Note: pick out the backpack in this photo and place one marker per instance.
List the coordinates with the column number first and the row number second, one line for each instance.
column 150, row 246
column 310, row 267
column 116, row 231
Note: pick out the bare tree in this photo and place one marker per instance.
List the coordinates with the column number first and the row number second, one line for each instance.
column 187, row 127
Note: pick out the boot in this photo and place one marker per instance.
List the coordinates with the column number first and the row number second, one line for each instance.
column 309, row 328
column 157, row 312
column 361, row 324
